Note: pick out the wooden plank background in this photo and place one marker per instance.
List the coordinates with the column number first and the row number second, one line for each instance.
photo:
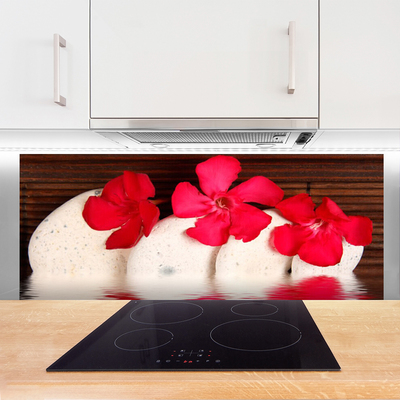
column 354, row 182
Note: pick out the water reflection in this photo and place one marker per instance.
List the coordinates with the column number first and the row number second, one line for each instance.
column 322, row 287
column 122, row 286
column 74, row 287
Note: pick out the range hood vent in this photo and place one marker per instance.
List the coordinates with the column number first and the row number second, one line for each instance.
column 212, row 139
column 209, row 136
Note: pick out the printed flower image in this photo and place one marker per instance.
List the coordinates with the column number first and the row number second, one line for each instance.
column 123, row 204
column 317, row 233
column 222, row 212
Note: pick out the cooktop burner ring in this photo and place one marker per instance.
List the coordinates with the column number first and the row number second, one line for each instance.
column 143, row 339
column 166, row 313
column 287, row 335
column 254, row 309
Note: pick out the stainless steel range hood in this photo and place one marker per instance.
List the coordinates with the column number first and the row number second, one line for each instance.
column 202, row 123
column 211, row 139
column 175, row 133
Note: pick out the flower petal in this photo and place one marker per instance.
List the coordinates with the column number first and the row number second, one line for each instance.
column 323, row 250
column 212, row 230
column 258, row 190
column 357, row 231
column 188, row 202
column 138, row 186
column 329, row 211
column 299, row 208
column 217, row 174
column 247, row 222
column 101, row 215
column 114, row 191
column 149, row 214
column 289, row 238
column 127, row 236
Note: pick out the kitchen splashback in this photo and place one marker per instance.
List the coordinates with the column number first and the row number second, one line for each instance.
column 354, row 182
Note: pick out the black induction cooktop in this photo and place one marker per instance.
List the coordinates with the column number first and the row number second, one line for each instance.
column 203, row 335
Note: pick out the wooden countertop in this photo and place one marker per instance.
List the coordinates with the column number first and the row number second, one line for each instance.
column 363, row 335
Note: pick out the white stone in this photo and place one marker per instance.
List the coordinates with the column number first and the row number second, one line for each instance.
column 249, row 270
column 350, row 259
column 257, row 257
column 64, row 244
column 169, row 251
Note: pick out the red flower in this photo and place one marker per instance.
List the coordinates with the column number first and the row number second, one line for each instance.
column 316, row 235
column 224, row 212
column 123, row 203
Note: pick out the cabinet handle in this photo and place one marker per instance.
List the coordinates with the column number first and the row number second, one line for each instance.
column 292, row 67
column 58, row 42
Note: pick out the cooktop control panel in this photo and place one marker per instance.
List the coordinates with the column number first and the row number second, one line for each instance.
column 202, row 357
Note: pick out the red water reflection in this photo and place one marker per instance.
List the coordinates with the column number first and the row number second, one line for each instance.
column 315, row 288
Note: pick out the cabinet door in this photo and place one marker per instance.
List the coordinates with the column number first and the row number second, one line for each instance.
column 202, row 58
column 27, row 63
column 360, row 64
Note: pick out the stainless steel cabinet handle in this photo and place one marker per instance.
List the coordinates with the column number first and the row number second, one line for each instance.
column 58, row 42
column 292, row 66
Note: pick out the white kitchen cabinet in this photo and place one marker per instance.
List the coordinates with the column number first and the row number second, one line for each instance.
column 27, row 64
column 360, row 64
column 203, row 58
